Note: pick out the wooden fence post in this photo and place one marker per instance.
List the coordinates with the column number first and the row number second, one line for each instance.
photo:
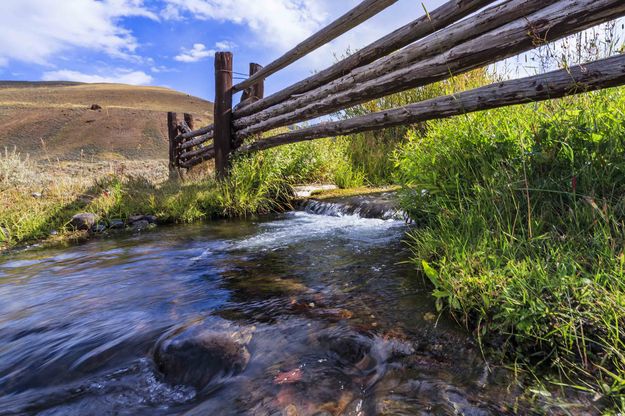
column 256, row 91
column 251, row 95
column 223, row 113
column 188, row 118
column 172, row 129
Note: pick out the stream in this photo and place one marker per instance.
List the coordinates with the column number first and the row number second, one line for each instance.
column 310, row 312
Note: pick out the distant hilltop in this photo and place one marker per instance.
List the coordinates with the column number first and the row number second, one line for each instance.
column 35, row 84
column 72, row 120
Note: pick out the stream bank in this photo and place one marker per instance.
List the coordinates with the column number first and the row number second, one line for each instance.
column 298, row 313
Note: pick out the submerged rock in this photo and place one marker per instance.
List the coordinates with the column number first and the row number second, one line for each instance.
column 136, row 218
column 197, row 356
column 99, row 228
column 116, row 224
column 382, row 205
column 83, row 221
column 150, row 218
column 289, row 377
column 140, row 225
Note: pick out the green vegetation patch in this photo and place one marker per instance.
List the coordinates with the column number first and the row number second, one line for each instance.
column 521, row 215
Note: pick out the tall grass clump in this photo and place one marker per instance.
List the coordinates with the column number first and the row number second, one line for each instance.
column 369, row 155
column 15, row 170
column 521, row 215
column 35, row 203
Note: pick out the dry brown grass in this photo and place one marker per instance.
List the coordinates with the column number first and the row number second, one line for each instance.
column 52, row 121
column 37, row 199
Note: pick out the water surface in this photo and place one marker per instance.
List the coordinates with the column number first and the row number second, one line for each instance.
column 339, row 324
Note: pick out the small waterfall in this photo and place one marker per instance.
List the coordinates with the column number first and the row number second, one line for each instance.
column 380, row 206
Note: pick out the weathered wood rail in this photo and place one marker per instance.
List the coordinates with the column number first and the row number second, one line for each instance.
column 459, row 36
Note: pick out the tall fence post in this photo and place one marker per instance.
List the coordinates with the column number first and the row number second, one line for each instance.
column 172, row 130
column 223, row 113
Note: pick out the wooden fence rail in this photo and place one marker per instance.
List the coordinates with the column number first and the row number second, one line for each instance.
column 601, row 74
column 359, row 14
column 449, row 41
column 417, row 29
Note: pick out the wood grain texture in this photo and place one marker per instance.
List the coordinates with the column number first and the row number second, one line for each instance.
column 597, row 75
column 204, row 130
column 361, row 13
column 196, row 141
column 438, row 43
column 563, row 18
column 188, row 119
column 208, row 155
column 222, row 135
column 190, row 154
column 441, row 17
column 172, row 132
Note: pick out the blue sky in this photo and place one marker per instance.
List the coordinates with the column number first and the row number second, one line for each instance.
column 172, row 42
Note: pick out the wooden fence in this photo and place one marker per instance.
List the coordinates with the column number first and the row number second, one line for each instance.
column 457, row 37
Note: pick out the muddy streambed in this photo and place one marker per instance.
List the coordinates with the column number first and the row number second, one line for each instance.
column 306, row 313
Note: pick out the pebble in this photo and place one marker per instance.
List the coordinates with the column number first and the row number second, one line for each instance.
column 291, row 410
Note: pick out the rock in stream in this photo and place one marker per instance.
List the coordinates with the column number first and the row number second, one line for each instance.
column 197, row 356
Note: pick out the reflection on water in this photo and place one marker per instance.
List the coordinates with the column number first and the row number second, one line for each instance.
column 331, row 320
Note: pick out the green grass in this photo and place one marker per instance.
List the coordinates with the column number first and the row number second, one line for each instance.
column 258, row 184
column 368, row 157
column 521, row 215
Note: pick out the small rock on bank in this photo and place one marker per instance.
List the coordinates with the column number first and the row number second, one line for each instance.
column 140, row 225
column 117, row 224
column 83, row 221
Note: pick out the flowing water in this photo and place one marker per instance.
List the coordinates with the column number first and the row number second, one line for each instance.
column 331, row 320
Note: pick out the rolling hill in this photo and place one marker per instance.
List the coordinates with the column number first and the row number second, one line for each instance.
column 54, row 120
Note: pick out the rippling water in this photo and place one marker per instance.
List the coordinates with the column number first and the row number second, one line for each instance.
column 338, row 324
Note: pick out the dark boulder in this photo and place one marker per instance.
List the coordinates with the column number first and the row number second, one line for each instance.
column 150, row 218
column 140, row 225
column 99, row 228
column 116, row 224
column 196, row 356
column 95, row 107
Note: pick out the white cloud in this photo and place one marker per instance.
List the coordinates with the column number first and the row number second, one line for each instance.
column 197, row 53
column 171, row 12
column 117, row 76
column 162, row 69
column 275, row 26
column 225, row 45
column 33, row 31
column 279, row 23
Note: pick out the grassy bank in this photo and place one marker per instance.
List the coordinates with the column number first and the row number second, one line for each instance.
column 37, row 200
column 521, row 215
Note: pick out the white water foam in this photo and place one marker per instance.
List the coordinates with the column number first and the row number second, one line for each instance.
column 303, row 226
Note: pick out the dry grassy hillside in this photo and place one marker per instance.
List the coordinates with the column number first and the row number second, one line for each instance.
column 53, row 119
